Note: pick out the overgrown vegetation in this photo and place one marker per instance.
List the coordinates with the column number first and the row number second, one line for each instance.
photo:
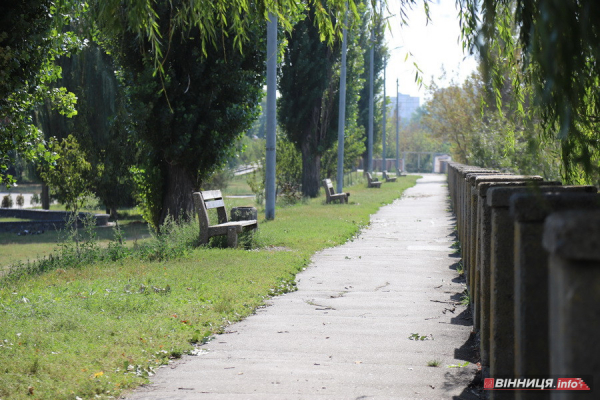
column 94, row 328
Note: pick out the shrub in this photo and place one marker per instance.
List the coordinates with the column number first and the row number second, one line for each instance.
column 20, row 200
column 35, row 199
column 7, row 201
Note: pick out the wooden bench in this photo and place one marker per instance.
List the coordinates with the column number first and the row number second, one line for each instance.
column 400, row 173
column 387, row 177
column 332, row 195
column 372, row 182
column 210, row 199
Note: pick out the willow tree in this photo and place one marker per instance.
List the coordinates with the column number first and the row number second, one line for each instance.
column 552, row 45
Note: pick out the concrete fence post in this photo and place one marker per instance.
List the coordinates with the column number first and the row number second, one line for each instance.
column 502, row 274
column 480, row 296
column 529, row 212
column 572, row 238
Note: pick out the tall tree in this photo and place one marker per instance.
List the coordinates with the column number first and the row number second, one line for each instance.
column 189, row 117
column 309, row 95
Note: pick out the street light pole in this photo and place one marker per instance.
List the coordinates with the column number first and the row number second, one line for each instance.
column 397, row 126
column 342, row 113
column 369, row 167
column 271, row 116
column 383, row 163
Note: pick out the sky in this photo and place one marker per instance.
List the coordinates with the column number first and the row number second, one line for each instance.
column 432, row 46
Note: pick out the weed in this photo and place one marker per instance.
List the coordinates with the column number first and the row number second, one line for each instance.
column 433, row 363
column 457, row 247
column 458, row 365
column 460, row 268
column 465, row 299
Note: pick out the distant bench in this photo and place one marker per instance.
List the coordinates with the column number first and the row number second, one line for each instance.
column 210, row 199
column 372, row 182
column 387, row 177
column 332, row 195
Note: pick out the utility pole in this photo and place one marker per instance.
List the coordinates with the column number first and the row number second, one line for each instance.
column 271, row 116
column 369, row 166
column 397, row 126
column 342, row 112
column 383, row 163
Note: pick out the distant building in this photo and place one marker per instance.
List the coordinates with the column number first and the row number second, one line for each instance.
column 408, row 105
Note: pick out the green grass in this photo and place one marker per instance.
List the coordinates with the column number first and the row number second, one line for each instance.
column 95, row 330
column 14, row 219
column 238, row 186
column 15, row 248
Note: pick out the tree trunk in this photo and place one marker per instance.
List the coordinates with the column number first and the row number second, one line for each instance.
column 45, row 197
column 311, row 170
column 177, row 198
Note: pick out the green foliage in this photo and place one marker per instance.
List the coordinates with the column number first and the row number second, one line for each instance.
column 309, row 86
column 209, row 19
column 256, row 181
column 288, row 174
column 149, row 192
column 249, row 152
column 354, row 133
column 35, row 199
column 70, row 176
column 31, row 38
column 190, row 116
column 551, row 49
column 218, row 180
column 417, row 337
column 480, row 134
column 288, row 168
column 371, row 22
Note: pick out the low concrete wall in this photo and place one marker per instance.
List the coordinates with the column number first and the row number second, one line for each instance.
column 41, row 220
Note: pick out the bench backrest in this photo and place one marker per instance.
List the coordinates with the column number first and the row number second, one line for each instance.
column 207, row 200
column 369, row 177
column 328, row 186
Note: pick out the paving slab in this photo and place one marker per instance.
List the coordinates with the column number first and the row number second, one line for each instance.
column 345, row 333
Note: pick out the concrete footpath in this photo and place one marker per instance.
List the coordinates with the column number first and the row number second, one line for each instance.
column 345, row 334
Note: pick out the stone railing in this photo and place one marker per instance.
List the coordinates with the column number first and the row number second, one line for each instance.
column 531, row 256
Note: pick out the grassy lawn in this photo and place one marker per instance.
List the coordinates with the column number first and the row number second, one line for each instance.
column 92, row 331
column 15, row 248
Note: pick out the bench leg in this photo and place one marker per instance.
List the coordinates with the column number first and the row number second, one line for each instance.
column 232, row 236
column 203, row 237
